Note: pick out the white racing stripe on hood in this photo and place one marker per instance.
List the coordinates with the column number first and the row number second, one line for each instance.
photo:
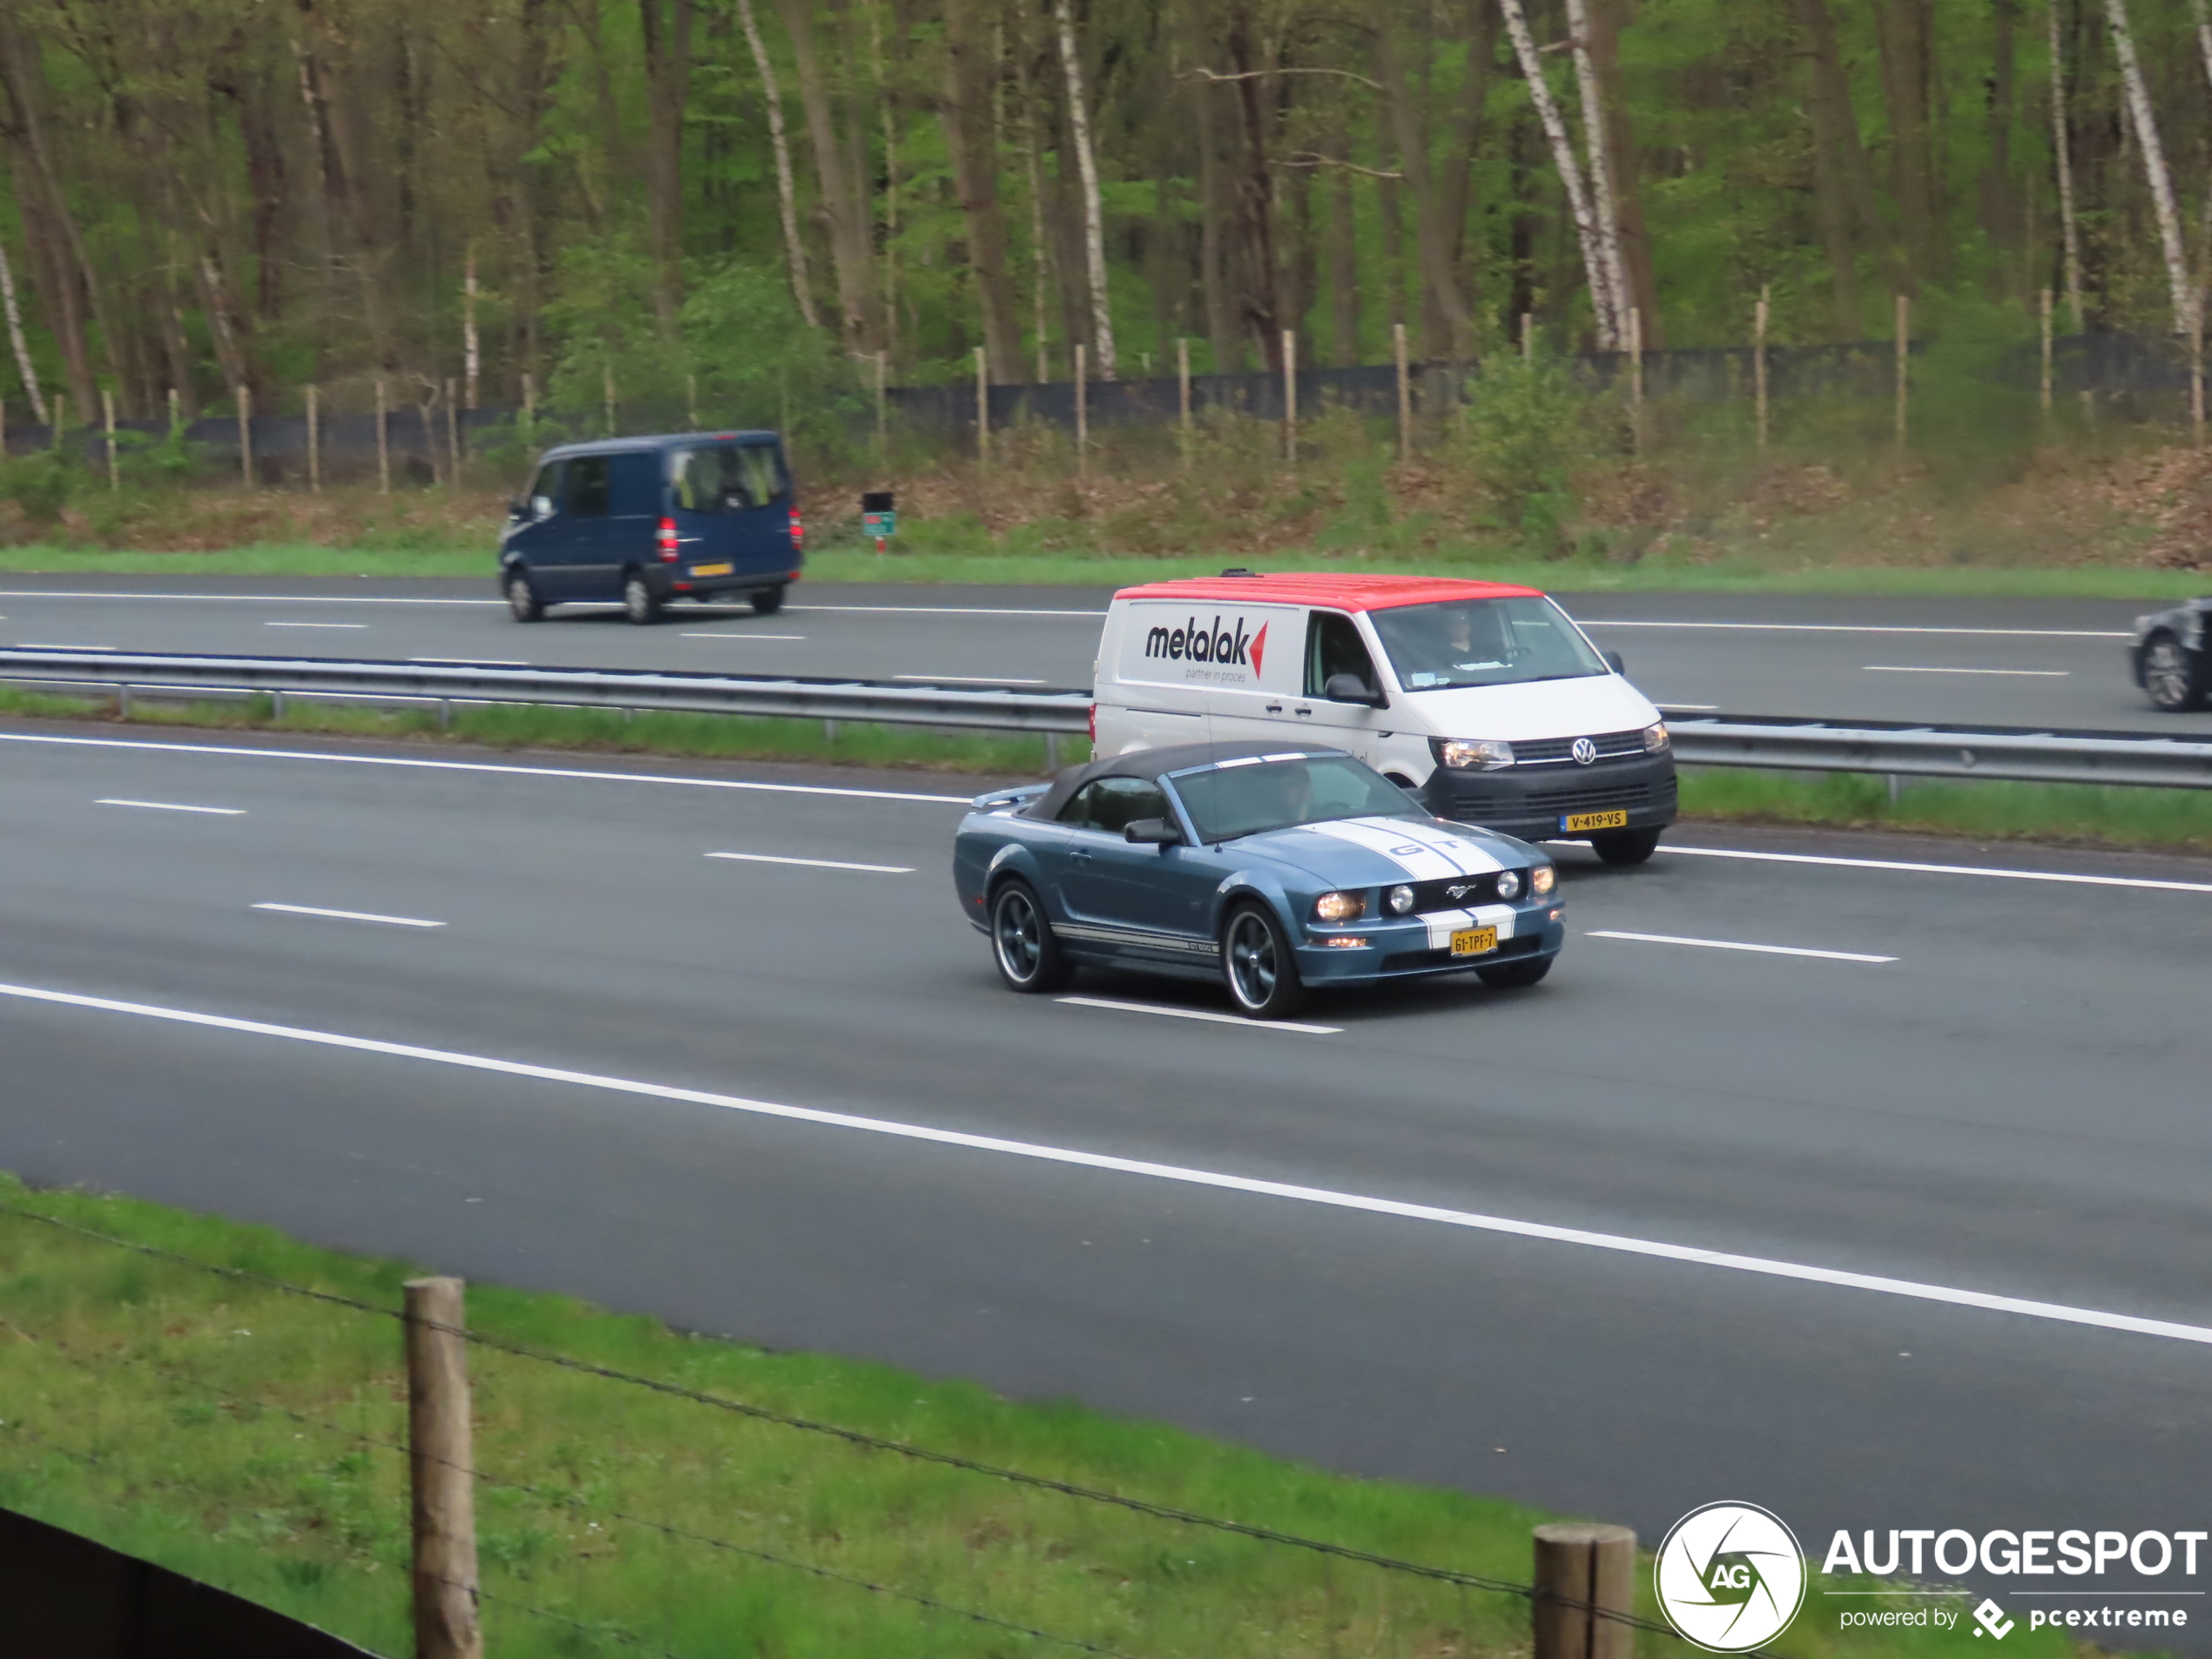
column 1425, row 853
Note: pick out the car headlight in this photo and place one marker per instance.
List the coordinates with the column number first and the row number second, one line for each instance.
column 1656, row 739
column 1340, row 906
column 1541, row 880
column 1486, row 754
column 1401, row 899
column 1509, row 885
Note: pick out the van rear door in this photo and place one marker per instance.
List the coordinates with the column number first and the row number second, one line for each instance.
column 732, row 503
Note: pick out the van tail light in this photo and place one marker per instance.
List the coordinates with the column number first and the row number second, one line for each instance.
column 1094, row 724
column 665, row 538
column 798, row 530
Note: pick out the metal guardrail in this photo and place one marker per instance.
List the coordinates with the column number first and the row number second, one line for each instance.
column 1895, row 748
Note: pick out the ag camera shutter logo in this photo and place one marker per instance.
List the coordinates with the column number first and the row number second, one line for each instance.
column 1730, row 1577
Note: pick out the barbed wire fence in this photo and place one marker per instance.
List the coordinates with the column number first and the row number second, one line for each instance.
column 372, row 1541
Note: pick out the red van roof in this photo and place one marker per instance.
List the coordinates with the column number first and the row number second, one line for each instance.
column 1339, row 592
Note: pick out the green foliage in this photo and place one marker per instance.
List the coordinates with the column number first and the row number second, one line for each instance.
column 1525, row 428
column 42, row 485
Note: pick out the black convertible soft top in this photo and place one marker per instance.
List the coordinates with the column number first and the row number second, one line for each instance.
column 1149, row 764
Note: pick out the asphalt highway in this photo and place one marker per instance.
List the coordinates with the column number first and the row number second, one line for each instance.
column 1621, row 1244
column 2004, row 661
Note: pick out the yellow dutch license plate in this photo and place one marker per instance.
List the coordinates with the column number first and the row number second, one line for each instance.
column 1572, row 823
column 1474, row 941
column 711, row 569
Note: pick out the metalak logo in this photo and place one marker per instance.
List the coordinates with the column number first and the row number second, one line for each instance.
column 1730, row 1577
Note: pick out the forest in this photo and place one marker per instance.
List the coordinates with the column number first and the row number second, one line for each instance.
column 204, row 195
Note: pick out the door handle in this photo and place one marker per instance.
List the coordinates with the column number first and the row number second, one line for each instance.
column 1302, row 712
column 1080, row 856
column 1274, row 708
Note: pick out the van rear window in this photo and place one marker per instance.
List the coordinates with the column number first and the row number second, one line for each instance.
column 728, row 477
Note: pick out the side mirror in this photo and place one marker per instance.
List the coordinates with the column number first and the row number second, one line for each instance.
column 1153, row 832
column 542, row 506
column 1350, row 688
column 1613, row 661
column 516, row 509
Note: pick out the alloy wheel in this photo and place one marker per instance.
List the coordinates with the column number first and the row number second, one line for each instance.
column 1254, row 966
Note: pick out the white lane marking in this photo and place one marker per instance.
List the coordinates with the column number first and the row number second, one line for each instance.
column 172, row 806
column 481, row 765
column 817, row 864
column 475, row 662
column 689, row 636
column 1618, row 1243
column 969, row 680
column 2014, row 673
column 249, row 598
column 1874, row 628
column 1727, row 944
column 1199, row 1014
column 1689, row 708
column 40, row 645
column 350, row 915
column 314, row 624
column 1945, row 869
column 951, row 610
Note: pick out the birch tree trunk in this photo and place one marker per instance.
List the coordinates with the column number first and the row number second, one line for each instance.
column 1571, row 175
column 779, row 144
column 2202, row 17
column 14, row 339
column 2062, row 149
column 2162, row 181
column 1603, row 203
column 1102, row 313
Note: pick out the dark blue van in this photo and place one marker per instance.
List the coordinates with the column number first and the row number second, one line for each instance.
column 698, row 515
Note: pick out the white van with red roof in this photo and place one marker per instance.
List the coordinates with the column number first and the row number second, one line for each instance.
column 1483, row 697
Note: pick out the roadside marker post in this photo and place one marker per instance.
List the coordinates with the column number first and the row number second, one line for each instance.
column 879, row 516
column 442, row 1467
column 1583, row 1571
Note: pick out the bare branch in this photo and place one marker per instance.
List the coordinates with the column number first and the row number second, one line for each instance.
column 1201, row 73
column 1308, row 158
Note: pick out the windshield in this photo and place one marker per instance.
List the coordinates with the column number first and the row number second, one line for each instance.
column 1246, row 797
column 1483, row 642
column 728, row 477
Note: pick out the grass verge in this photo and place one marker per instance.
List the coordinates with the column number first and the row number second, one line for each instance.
column 245, row 1436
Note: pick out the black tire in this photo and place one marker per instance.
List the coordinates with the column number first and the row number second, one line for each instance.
column 767, row 601
column 1625, row 846
column 1509, row 976
column 521, row 596
column 1258, row 965
column 2173, row 675
column 1022, row 942
column 639, row 603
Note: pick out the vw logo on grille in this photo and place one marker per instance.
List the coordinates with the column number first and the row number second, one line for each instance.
column 1585, row 751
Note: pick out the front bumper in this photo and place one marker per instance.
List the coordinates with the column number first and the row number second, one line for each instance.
column 1405, row 949
column 1529, row 801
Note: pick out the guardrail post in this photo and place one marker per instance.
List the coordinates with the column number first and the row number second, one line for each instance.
column 1052, row 752
column 1584, row 1570
column 441, row 1467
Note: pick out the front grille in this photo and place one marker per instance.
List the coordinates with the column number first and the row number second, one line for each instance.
column 1470, row 889
column 1403, row 961
column 1600, row 800
column 1611, row 745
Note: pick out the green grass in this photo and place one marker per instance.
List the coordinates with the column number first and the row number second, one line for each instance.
column 841, row 564
column 236, row 1430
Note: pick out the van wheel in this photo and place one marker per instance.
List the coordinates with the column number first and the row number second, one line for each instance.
column 639, row 603
column 1257, row 964
column 1022, row 941
column 767, row 601
column 521, row 598
column 1625, row 846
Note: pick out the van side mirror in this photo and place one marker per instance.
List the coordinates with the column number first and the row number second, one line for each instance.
column 542, row 506
column 1153, row 832
column 1350, row 688
column 1613, row 661
column 515, row 508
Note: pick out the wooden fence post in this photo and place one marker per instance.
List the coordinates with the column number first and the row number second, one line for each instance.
column 1290, row 401
column 1527, row 337
column 2197, row 379
column 1581, row 1567
column 982, row 410
column 1405, row 394
column 607, row 388
column 245, row 396
column 453, row 438
column 691, row 402
column 61, row 416
column 441, row 1467
column 2047, row 351
column 176, row 410
column 1635, row 377
column 107, row 419
column 1904, row 355
column 1183, row 394
column 314, row 441
column 383, row 442
column 1759, row 363
column 1083, row 414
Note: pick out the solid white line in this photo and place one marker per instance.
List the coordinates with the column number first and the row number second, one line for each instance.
column 1621, row 1243
column 969, row 679
column 40, row 645
column 350, row 915
column 314, row 624
column 1689, row 708
column 1726, row 944
column 947, row 610
column 818, row 864
column 1945, row 869
column 172, row 807
column 2015, row 673
column 1873, row 628
column 476, row 662
column 480, row 765
column 249, row 598
column 743, row 635
column 1199, row 1014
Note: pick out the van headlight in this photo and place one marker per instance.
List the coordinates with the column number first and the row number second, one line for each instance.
column 1542, row 878
column 1484, row 754
column 1340, row 906
column 1656, row 740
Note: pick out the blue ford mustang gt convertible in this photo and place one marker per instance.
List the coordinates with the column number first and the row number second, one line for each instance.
column 1277, row 869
